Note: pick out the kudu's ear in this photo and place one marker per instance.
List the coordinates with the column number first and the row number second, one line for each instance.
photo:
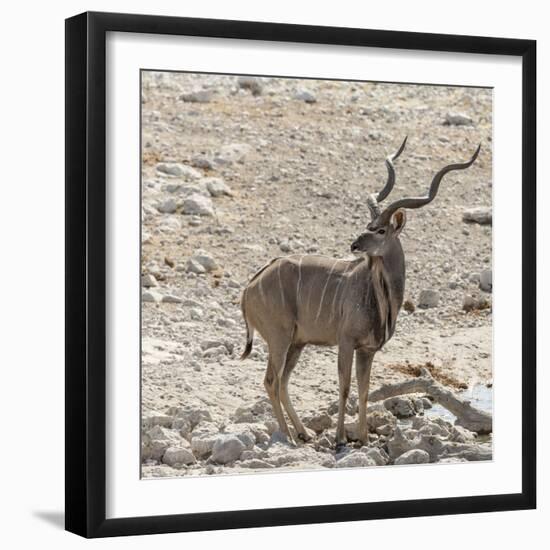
column 398, row 221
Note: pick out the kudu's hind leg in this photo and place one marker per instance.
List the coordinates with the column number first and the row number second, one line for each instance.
column 292, row 357
column 345, row 361
column 363, row 364
column 272, row 383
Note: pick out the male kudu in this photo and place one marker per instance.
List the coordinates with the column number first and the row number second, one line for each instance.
column 353, row 304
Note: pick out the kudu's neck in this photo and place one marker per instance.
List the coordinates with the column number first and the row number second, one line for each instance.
column 391, row 265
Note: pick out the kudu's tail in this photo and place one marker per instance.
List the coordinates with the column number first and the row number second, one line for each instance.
column 249, row 330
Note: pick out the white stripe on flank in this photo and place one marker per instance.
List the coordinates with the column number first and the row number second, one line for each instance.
column 261, row 289
column 325, row 289
column 332, row 310
column 281, row 284
column 299, row 283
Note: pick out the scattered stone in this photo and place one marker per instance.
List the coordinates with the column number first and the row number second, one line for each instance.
column 217, row 187
column 318, row 423
column 168, row 206
column 486, row 280
column 155, row 442
column 256, row 463
column 408, row 306
column 400, row 406
column 178, row 170
column 150, row 419
column 428, row 299
column 457, row 119
column 355, row 460
column 285, row 246
column 482, row 215
column 414, row 456
column 194, row 267
column 151, row 296
column 171, row 299
column 306, row 96
column 227, row 448
column 250, row 83
column 205, row 260
column 198, row 205
column 174, row 456
column 233, row 152
column 198, row 96
column 148, row 280
column 379, row 456
column 202, row 161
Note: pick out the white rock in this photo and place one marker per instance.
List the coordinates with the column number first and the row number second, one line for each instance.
column 379, row 456
column 194, row 267
column 168, row 206
column 217, row 187
column 198, row 205
column 178, row 455
column 355, row 460
column 205, row 260
column 148, row 280
column 151, row 419
column 414, row 456
column 233, row 152
column 428, row 298
column 318, row 422
column 171, row 299
column 482, row 215
column 486, row 280
column 227, row 448
column 197, row 96
column 178, row 170
column 305, row 95
column 196, row 313
column 151, row 296
column 458, row 119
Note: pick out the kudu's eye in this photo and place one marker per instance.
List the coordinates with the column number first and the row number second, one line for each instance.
column 381, row 231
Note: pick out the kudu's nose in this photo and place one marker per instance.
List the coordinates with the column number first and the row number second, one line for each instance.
column 354, row 246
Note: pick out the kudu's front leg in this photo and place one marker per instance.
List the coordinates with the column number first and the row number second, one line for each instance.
column 363, row 364
column 345, row 361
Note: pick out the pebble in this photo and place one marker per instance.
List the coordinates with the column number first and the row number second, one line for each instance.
column 414, row 456
column 174, row 456
column 168, row 206
column 355, row 460
column 148, row 280
column 217, row 187
column 457, row 119
column 486, row 280
column 482, row 215
column 178, row 170
column 428, row 299
column 306, row 96
column 205, row 260
column 198, row 205
column 198, row 96
column 171, row 299
column 151, row 296
column 227, row 448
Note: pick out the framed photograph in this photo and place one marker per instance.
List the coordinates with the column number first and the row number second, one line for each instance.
column 300, row 274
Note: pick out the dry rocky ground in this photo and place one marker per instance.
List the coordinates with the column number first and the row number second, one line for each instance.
column 238, row 171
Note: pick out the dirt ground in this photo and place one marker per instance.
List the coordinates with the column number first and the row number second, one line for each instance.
column 251, row 170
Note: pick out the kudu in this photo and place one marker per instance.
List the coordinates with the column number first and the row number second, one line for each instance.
column 308, row 299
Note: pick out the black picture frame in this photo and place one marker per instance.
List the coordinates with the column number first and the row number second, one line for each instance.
column 85, row 487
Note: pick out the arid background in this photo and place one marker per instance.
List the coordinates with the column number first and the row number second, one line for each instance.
column 238, row 171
